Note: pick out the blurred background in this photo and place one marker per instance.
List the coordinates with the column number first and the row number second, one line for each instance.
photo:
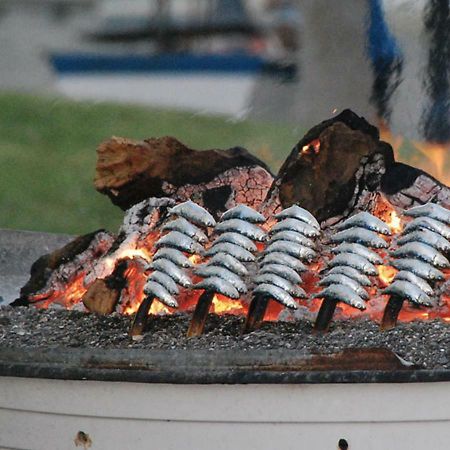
column 214, row 74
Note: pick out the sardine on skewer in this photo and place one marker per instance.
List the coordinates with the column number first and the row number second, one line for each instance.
column 430, row 224
column 430, row 210
column 423, row 252
column 184, row 226
column 419, row 268
column 231, row 249
column 352, row 273
column 247, row 229
column 356, row 261
column 193, row 213
column 156, row 290
column 414, row 279
column 358, row 249
column 296, row 212
column 243, row 212
column 179, row 241
column 345, row 281
column 207, row 271
column 293, row 236
column 237, row 239
column 295, row 225
column 360, row 236
column 428, row 237
column 282, row 271
column 341, row 293
column 276, row 293
column 367, row 221
column 271, row 278
column 291, row 248
column 408, row 290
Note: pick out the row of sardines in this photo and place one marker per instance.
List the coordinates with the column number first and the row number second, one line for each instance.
column 240, row 252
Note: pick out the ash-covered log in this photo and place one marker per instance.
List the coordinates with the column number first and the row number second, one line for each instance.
column 340, row 164
column 129, row 172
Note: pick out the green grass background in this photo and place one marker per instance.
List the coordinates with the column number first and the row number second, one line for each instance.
column 48, row 154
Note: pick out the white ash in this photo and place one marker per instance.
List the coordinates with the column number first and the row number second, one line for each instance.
column 425, row 343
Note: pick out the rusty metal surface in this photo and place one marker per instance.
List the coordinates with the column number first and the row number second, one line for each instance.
column 206, row 367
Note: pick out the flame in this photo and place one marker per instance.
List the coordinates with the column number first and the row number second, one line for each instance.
column 224, row 305
column 387, row 213
column 386, row 274
column 436, row 159
column 312, row 148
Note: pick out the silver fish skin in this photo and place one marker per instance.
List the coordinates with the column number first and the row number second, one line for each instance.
column 296, row 212
column 247, row 229
column 367, row 221
column 243, row 212
column 430, row 224
column 428, row 237
column 165, row 281
column 219, row 286
column 352, row 273
column 360, row 236
column 276, row 293
column 231, row 249
column 431, row 210
column 345, row 281
column 295, row 225
column 237, row 239
column 179, row 241
column 343, row 294
column 173, row 271
column 282, row 271
column 291, row 248
column 208, row 271
column 423, row 252
column 408, row 290
column 229, row 262
column 414, row 279
column 270, row 278
column 358, row 249
column 194, row 213
column 292, row 236
column 184, row 226
column 419, row 268
column 154, row 289
column 284, row 259
column 174, row 255
column 356, row 261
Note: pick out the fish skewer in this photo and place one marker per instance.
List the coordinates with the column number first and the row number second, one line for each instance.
column 290, row 243
column 169, row 263
column 230, row 251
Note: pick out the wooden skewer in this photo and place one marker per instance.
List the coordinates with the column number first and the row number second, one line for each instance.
column 255, row 313
column 325, row 315
column 140, row 321
column 391, row 312
column 198, row 320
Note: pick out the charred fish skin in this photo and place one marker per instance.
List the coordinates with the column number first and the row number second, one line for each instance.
column 408, row 290
column 352, row 273
column 345, row 281
column 360, row 236
column 239, row 226
column 156, row 290
column 430, row 210
column 219, row 286
column 165, row 281
column 430, row 224
column 184, row 226
column 291, row 289
column 428, row 237
column 228, row 262
column 275, row 293
column 282, row 271
column 343, row 294
column 284, row 259
column 297, row 226
column 173, row 255
column 356, row 261
column 243, row 212
column 414, row 279
column 367, row 221
column 358, row 249
column 296, row 212
column 231, row 249
column 420, row 268
column 193, row 213
column 208, row 271
column 181, row 242
column 293, row 236
column 424, row 252
column 291, row 248
column 237, row 239
column 172, row 270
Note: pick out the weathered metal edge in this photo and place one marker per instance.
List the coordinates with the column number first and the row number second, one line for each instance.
column 193, row 367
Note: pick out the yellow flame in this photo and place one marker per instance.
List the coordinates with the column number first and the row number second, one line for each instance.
column 386, row 274
column 224, row 306
column 394, row 222
column 437, row 156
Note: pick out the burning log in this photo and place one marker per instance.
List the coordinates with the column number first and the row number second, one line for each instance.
column 162, row 283
column 290, row 243
column 130, row 172
column 237, row 230
column 419, row 260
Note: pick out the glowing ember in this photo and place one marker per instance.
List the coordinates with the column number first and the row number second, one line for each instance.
column 385, row 211
column 386, row 274
column 312, row 148
column 224, row 305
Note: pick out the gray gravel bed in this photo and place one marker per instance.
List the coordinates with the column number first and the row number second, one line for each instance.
column 424, row 343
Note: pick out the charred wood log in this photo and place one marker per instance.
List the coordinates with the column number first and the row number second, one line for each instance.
column 340, row 165
column 129, row 172
column 51, row 273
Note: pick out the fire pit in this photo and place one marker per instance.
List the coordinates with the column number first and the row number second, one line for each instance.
column 338, row 241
